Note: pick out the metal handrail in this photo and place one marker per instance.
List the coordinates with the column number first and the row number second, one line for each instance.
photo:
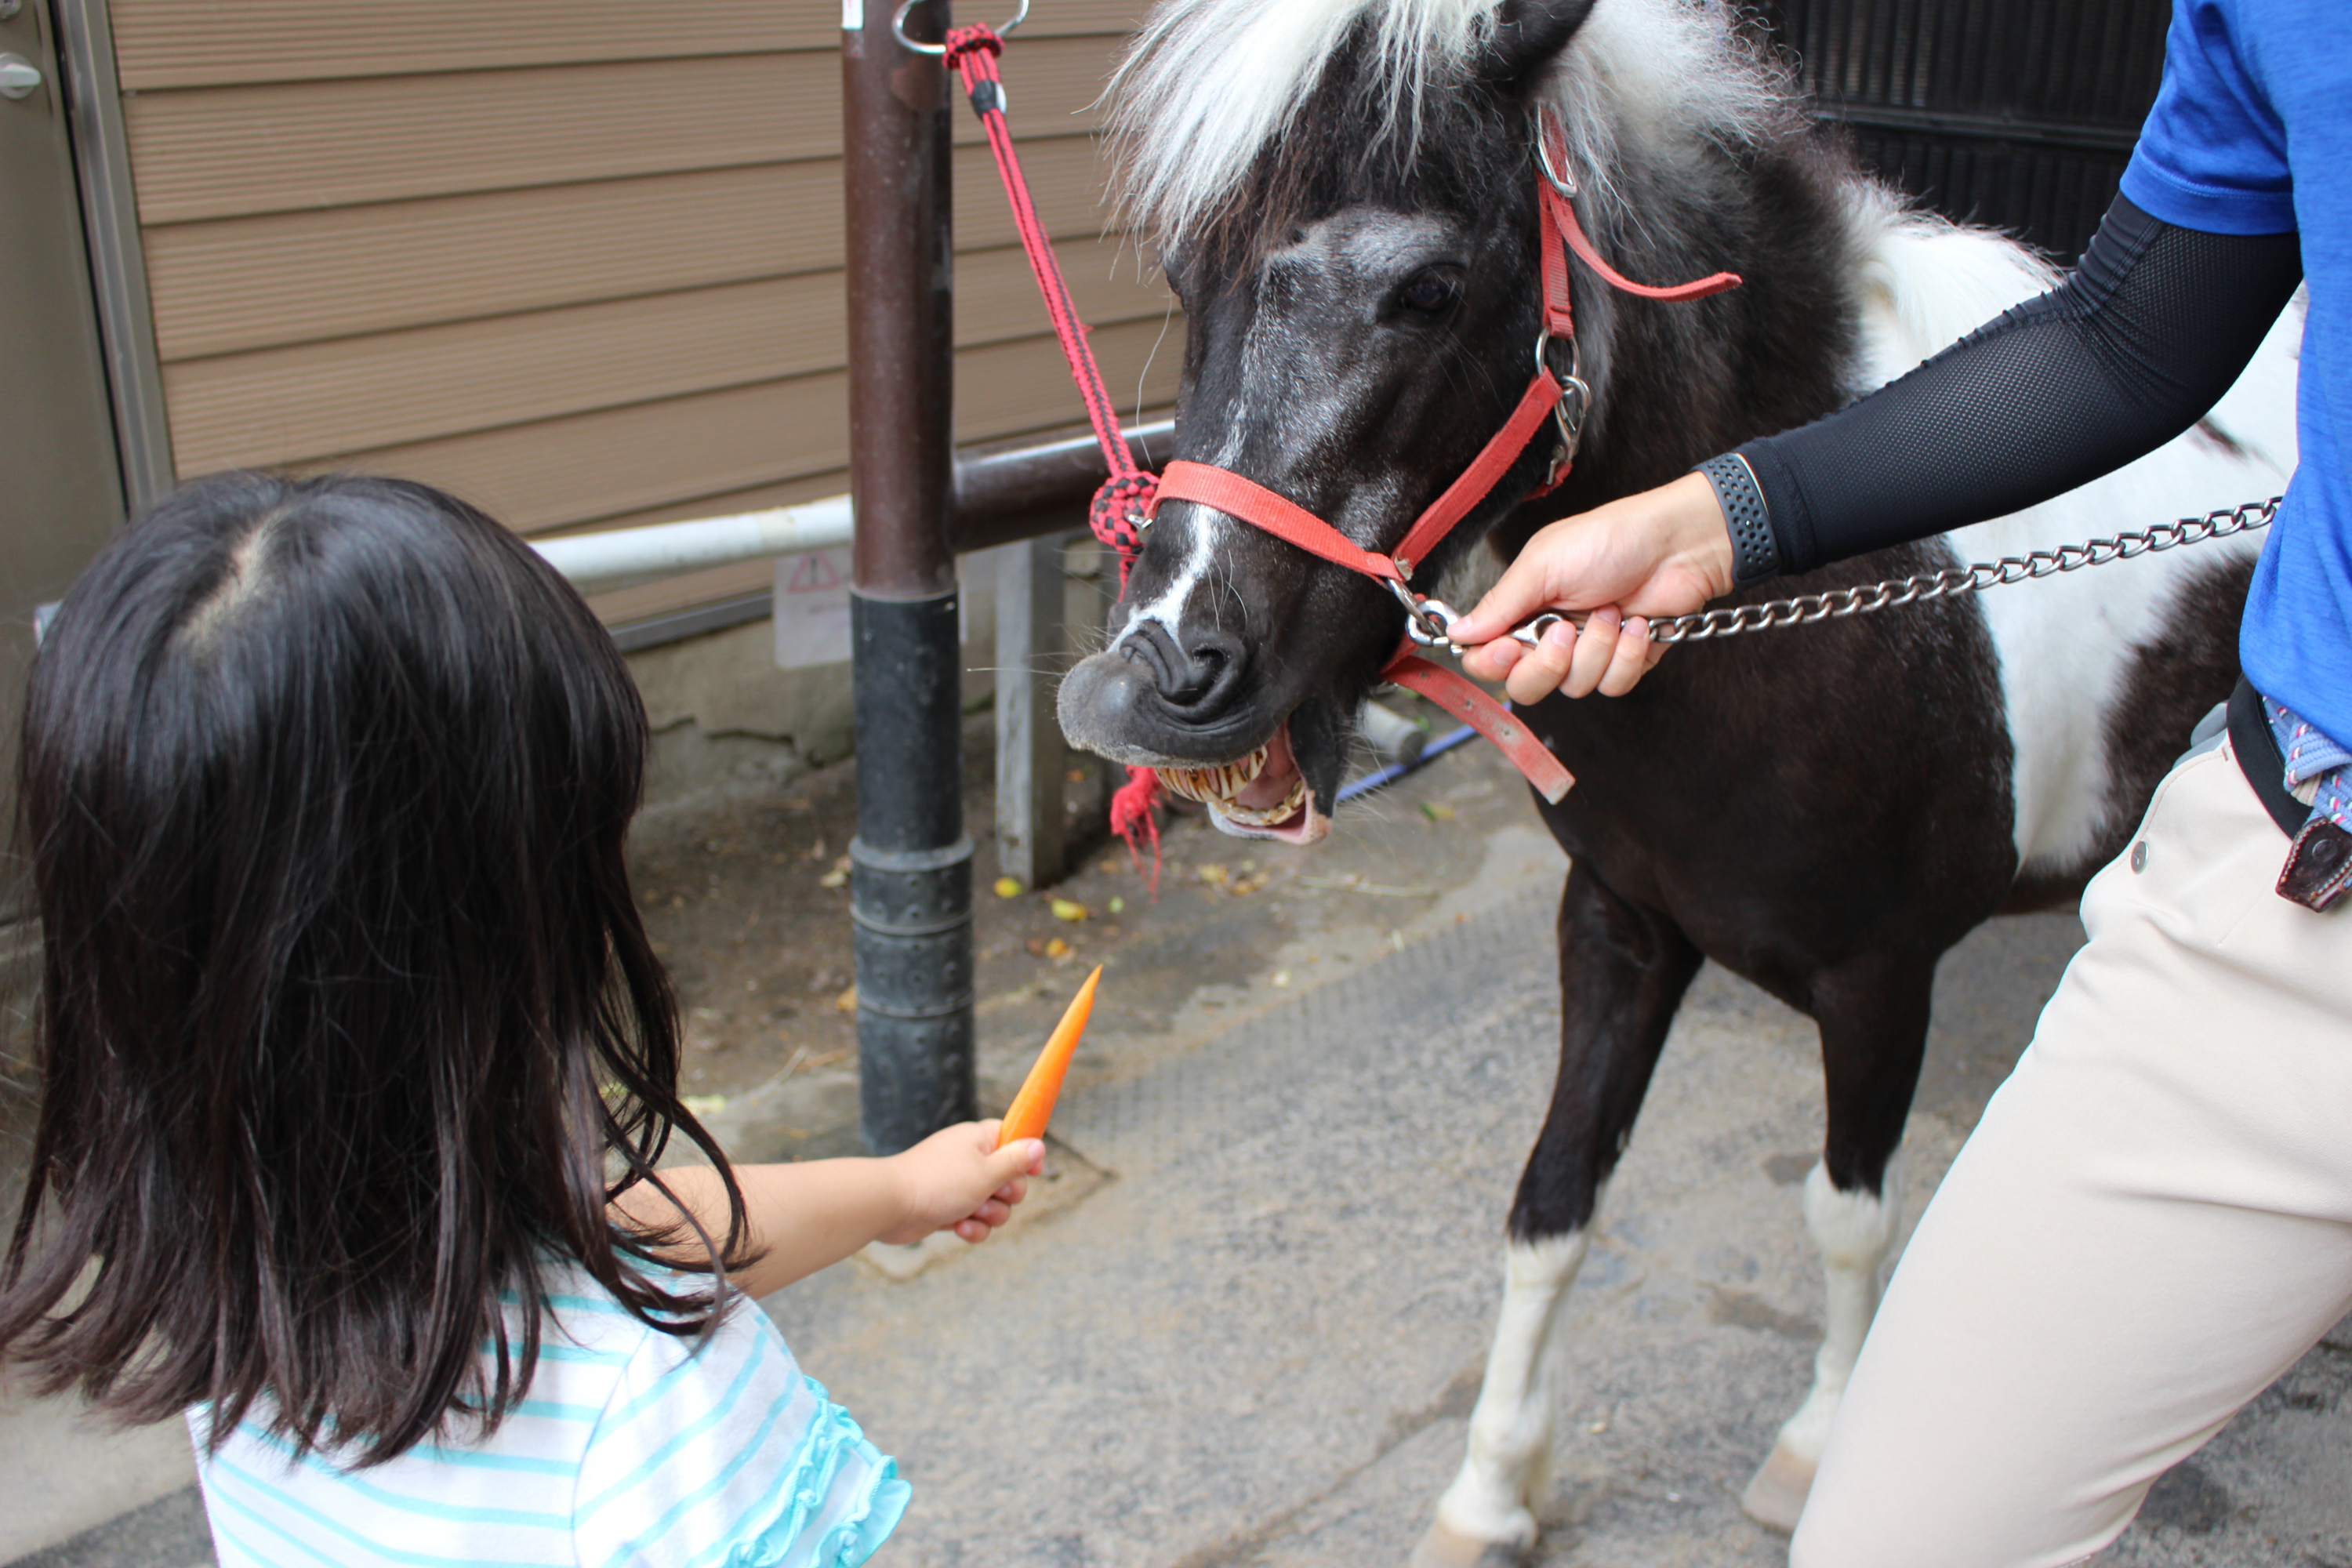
column 1000, row 497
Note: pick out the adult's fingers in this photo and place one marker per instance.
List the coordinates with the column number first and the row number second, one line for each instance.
column 1518, row 594
column 1494, row 660
column 1595, row 646
column 1542, row 669
column 1634, row 657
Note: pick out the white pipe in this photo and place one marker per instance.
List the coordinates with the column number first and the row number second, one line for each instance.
column 666, row 549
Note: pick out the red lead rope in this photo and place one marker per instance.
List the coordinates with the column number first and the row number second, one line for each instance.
column 1124, row 498
column 1131, row 496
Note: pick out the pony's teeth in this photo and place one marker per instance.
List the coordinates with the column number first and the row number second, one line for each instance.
column 1218, row 783
column 1266, row 815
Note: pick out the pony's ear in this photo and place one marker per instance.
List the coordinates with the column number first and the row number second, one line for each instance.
column 1528, row 36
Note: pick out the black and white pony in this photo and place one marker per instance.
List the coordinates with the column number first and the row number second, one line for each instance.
column 1342, row 193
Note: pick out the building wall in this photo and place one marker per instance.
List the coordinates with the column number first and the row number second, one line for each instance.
column 577, row 260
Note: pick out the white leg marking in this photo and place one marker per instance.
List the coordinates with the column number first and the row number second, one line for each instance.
column 1854, row 1231
column 1509, row 1466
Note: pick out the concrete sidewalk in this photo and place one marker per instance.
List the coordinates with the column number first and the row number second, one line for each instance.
column 1257, row 1340
column 1244, row 1324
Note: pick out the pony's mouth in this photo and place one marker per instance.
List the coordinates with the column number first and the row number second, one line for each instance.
column 1262, row 795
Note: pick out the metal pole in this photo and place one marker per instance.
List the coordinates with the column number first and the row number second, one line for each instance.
column 910, row 864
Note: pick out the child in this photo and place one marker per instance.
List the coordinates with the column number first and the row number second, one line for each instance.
column 357, row 1066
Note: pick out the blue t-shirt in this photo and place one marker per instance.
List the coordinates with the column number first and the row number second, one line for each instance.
column 2251, row 134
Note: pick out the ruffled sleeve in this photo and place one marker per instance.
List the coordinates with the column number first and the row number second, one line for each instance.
column 730, row 1457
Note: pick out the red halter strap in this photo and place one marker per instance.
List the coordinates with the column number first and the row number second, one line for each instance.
column 1129, row 493
column 1558, row 232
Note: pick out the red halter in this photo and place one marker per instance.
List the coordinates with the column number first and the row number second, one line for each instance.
column 1547, row 397
column 1128, row 499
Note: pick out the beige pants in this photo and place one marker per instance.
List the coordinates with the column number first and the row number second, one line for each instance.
column 2153, row 1220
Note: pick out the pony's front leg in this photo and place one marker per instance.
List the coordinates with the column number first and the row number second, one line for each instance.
column 1623, row 971
column 1874, row 1024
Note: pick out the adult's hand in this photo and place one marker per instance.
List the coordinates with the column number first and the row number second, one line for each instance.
column 1665, row 551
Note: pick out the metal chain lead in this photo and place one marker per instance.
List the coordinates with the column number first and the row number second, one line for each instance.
column 1839, row 602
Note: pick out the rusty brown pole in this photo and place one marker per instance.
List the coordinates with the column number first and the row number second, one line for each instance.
column 910, row 864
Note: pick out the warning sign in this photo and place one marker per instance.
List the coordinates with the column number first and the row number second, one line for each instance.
column 812, row 608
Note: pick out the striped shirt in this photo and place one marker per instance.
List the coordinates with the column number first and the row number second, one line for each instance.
column 630, row 1451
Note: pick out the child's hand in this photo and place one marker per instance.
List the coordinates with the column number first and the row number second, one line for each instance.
column 959, row 1178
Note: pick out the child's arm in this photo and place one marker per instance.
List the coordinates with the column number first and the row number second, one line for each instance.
column 804, row 1217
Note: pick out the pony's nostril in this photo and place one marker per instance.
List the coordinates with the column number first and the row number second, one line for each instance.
column 1199, row 675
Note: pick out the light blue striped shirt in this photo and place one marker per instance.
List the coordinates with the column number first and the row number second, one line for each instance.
column 630, row 1451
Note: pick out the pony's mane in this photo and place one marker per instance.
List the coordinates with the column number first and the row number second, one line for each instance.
column 1210, row 86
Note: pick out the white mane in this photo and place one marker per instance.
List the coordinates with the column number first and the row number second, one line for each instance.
column 1209, row 85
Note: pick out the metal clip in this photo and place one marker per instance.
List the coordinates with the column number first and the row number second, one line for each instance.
column 1429, row 622
column 898, row 26
column 1576, row 390
column 1425, row 620
column 1560, row 179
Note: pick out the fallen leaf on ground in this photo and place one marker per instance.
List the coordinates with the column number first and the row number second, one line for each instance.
column 1282, row 977
column 1436, row 811
column 1214, row 875
column 1008, row 887
column 1069, row 910
column 847, row 1001
column 704, row 1104
column 1057, row 947
column 1117, row 906
column 838, row 877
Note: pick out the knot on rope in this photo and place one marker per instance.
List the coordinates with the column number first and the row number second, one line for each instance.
column 1121, row 500
column 1132, row 818
column 978, row 38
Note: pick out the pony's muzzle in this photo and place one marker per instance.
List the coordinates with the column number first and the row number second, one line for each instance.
column 1143, row 706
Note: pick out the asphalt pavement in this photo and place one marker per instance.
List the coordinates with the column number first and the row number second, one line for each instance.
column 1243, row 1323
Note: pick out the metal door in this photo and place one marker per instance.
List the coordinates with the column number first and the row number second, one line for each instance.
column 60, row 482
column 2018, row 113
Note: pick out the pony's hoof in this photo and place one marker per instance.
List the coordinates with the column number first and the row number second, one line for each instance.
column 1443, row 1548
column 1777, row 1496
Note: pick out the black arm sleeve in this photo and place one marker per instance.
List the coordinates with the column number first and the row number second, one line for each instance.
column 2129, row 351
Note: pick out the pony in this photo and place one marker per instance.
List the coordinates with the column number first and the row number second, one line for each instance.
column 1342, row 193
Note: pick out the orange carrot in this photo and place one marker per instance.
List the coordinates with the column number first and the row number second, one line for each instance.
column 1034, row 1106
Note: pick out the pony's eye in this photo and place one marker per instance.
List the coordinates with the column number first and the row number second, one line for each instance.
column 1428, row 293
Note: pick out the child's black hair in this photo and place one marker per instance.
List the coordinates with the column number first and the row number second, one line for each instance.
column 344, row 1003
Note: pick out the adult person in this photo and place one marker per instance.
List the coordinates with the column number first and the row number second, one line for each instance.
column 2154, row 1217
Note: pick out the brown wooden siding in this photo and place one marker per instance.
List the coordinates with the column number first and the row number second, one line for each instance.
column 581, row 267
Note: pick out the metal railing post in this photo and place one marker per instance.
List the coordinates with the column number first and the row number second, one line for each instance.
column 910, row 864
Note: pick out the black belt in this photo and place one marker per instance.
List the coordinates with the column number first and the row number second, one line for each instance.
column 2260, row 759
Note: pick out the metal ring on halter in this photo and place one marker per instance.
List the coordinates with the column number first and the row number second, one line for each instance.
column 1575, row 361
column 899, row 26
column 1561, row 180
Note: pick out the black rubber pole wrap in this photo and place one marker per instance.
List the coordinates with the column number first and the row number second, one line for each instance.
column 910, row 873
